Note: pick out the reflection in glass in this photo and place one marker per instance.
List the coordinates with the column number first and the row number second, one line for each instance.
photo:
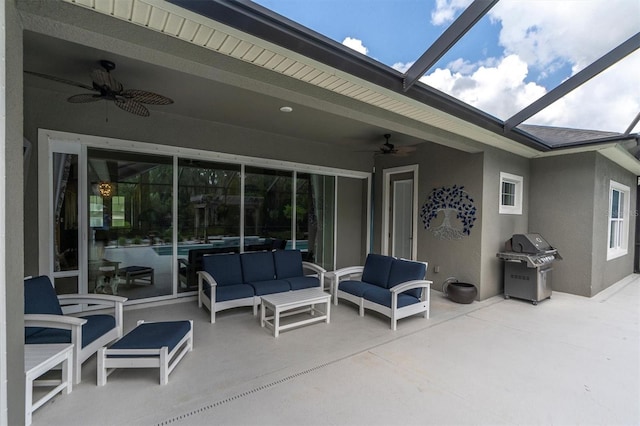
column 130, row 224
column 208, row 215
column 65, row 221
column 315, row 207
column 267, row 207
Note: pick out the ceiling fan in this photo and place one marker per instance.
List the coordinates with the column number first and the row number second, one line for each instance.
column 389, row 148
column 106, row 87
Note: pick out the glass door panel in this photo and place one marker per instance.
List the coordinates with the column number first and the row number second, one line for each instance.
column 65, row 222
column 209, row 196
column 315, row 211
column 130, row 205
column 267, row 208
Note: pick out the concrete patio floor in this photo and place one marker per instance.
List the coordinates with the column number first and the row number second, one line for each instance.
column 569, row 360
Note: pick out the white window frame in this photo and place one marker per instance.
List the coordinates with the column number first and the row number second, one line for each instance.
column 621, row 248
column 518, row 195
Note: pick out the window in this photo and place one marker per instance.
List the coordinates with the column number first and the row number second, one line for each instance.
column 618, row 220
column 117, row 212
column 510, row 194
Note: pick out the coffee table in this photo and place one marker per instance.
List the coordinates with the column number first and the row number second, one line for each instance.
column 292, row 303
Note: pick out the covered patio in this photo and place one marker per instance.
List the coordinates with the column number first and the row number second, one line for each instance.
column 569, row 360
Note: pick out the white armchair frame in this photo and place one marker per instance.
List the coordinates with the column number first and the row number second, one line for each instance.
column 67, row 322
column 314, row 269
column 394, row 313
column 205, row 279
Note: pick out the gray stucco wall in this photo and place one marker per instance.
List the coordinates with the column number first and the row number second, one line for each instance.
column 570, row 207
column 12, row 235
column 604, row 273
column 441, row 166
column 496, row 227
column 562, row 210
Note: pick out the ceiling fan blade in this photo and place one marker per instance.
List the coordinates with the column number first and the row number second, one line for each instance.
column 146, row 97
column 134, row 107
column 61, row 80
column 102, row 78
column 83, row 98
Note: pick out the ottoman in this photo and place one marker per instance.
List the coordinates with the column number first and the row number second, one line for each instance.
column 150, row 345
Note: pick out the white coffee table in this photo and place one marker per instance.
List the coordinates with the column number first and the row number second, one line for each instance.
column 292, row 303
column 38, row 359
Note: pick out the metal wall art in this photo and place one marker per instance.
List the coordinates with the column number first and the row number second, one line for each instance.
column 459, row 213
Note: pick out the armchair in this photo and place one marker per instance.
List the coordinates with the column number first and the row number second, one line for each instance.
column 45, row 322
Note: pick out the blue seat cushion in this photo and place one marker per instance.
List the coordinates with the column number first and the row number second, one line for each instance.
column 154, row 335
column 288, row 263
column 226, row 269
column 298, row 283
column 40, row 298
column 231, row 292
column 95, row 327
column 381, row 296
column 357, row 288
column 270, row 286
column 257, row 266
column 376, row 269
column 406, row 270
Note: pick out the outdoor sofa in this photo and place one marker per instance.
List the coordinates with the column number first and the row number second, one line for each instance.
column 396, row 288
column 234, row 280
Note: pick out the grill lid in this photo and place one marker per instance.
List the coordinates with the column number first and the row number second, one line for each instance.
column 528, row 243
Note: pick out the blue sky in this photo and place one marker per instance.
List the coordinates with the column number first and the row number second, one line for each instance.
column 519, row 51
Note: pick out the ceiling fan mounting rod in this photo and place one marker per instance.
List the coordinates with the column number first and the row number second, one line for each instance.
column 107, row 65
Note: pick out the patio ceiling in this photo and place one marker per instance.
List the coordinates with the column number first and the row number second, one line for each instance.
column 245, row 32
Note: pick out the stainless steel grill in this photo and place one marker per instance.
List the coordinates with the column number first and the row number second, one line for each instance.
column 527, row 267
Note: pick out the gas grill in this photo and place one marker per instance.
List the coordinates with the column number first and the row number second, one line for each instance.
column 527, row 267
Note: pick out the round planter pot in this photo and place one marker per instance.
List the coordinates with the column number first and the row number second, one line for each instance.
column 460, row 292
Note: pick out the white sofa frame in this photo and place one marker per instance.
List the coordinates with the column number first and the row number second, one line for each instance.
column 394, row 313
column 205, row 278
column 74, row 324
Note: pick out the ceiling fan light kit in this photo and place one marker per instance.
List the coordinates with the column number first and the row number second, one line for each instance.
column 109, row 89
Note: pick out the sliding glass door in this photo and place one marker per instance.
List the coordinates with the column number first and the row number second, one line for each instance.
column 136, row 224
column 268, row 208
column 130, row 205
column 65, row 220
column 315, row 218
column 209, row 199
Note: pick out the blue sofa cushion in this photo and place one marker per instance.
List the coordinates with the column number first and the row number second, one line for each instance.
column 376, row 269
column 270, row 286
column 288, row 263
column 406, row 270
column 257, row 266
column 382, row 296
column 39, row 298
column 154, row 335
column 96, row 326
column 298, row 283
column 231, row 292
column 357, row 288
column 226, row 269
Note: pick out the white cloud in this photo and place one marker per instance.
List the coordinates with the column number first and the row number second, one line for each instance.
column 500, row 91
column 355, row 44
column 402, row 66
column 446, row 10
column 546, row 36
column 545, row 33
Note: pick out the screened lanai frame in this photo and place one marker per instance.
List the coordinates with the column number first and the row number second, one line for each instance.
column 264, row 23
column 71, row 143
